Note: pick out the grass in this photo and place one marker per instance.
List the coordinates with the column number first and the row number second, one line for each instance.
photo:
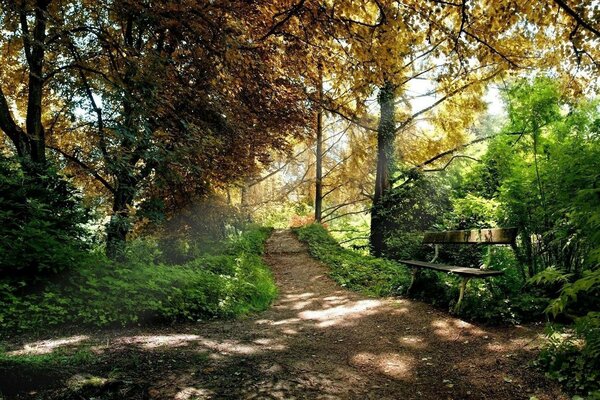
column 369, row 275
column 59, row 358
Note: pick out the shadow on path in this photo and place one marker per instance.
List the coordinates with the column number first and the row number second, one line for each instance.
column 319, row 341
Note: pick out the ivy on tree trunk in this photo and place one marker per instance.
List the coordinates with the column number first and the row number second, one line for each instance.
column 385, row 166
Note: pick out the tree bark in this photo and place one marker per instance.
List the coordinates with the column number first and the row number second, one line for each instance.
column 119, row 225
column 34, row 44
column 319, row 153
column 244, row 196
column 385, row 166
column 30, row 143
column 14, row 132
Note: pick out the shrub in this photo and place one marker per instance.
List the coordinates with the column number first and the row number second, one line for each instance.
column 99, row 292
column 405, row 246
column 572, row 356
column 41, row 223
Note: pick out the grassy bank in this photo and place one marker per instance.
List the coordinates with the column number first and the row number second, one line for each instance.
column 368, row 275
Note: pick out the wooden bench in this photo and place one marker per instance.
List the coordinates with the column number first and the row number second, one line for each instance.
column 476, row 236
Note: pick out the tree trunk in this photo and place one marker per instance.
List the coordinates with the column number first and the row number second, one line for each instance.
column 244, row 195
column 119, row 225
column 14, row 132
column 386, row 133
column 35, row 52
column 319, row 152
column 30, row 144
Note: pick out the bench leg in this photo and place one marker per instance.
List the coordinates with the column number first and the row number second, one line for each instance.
column 415, row 275
column 463, row 287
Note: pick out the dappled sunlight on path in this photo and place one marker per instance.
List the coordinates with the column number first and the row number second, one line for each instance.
column 319, row 341
column 48, row 346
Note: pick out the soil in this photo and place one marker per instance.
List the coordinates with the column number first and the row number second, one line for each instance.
column 318, row 341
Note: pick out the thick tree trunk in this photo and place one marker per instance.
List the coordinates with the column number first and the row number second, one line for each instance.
column 386, row 133
column 319, row 153
column 119, row 225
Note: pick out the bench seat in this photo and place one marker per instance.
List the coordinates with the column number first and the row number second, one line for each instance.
column 463, row 271
column 473, row 236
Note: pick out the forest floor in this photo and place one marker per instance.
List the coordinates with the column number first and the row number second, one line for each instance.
column 318, row 341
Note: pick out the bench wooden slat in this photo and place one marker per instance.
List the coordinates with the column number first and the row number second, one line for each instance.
column 454, row 269
column 491, row 236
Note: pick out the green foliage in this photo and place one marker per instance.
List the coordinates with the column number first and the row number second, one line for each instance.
column 101, row 293
column 404, row 246
column 280, row 215
column 351, row 231
column 472, row 212
column 543, row 173
column 414, row 206
column 41, row 223
column 369, row 275
column 572, row 356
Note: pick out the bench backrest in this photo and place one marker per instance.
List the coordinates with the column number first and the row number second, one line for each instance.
column 489, row 236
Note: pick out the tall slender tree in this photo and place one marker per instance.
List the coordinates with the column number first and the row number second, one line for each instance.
column 319, row 150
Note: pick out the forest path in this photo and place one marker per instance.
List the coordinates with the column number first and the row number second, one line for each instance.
column 320, row 341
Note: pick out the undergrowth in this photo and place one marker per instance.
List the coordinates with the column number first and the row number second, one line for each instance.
column 368, row 275
column 572, row 356
column 98, row 292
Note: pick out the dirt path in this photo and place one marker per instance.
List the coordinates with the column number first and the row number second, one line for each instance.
column 322, row 342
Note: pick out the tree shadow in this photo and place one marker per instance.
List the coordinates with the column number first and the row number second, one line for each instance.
column 317, row 341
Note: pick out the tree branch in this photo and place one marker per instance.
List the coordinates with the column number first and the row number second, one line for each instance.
column 350, row 119
column 450, row 94
column 279, row 169
column 454, row 150
column 450, row 161
column 85, row 167
column 7, row 123
column 345, row 214
column 290, row 13
column 565, row 7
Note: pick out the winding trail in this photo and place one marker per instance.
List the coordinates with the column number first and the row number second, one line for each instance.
column 320, row 341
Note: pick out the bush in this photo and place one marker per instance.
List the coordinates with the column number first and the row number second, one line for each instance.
column 41, row 223
column 572, row 356
column 101, row 293
column 405, row 246
column 369, row 275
